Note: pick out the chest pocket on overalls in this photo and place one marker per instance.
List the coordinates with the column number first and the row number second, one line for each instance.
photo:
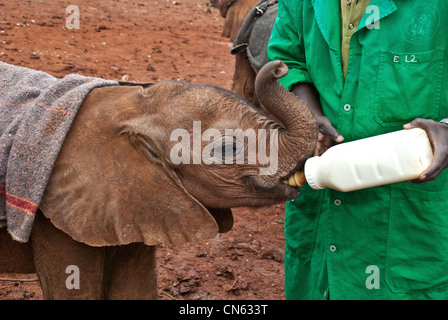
column 408, row 86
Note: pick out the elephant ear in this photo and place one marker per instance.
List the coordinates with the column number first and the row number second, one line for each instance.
column 110, row 187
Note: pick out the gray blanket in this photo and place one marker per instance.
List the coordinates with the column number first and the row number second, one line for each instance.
column 36, row 112
column 254, row 34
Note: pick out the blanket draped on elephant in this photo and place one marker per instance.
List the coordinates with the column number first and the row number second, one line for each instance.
column 255, row 32
column 36, row 112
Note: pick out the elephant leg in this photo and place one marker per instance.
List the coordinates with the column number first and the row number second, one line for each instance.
column 67, row 269
column 15, row 257
column 130, row 272
column 244, row 79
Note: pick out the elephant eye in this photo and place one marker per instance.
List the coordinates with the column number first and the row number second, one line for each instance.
column 228, row 149
column 233, row 151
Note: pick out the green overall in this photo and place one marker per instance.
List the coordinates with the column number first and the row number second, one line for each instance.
column 388, row 242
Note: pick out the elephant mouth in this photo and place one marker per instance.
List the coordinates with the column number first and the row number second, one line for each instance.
column 290, row 191
column 272, row 190
column 223, row 218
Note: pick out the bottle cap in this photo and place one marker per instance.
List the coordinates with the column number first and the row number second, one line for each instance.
column 299, row 178
column 310, row 172
column 296, row 180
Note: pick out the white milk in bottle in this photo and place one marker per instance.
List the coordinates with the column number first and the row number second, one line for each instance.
column 379, row 160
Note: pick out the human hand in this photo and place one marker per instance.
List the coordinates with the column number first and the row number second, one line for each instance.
column 326, row 135
column 438, row 136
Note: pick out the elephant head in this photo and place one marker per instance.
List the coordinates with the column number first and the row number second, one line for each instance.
column 222, row 5
column 234, row 12
column 121, row 176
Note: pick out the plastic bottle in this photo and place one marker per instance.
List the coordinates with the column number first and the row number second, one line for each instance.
column 388, row 158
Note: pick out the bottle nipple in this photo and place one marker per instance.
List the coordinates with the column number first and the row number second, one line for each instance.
column 296, row 180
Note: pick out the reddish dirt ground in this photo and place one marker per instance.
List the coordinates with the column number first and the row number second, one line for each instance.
column 146, row 41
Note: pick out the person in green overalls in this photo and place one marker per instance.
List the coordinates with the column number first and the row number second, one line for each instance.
column 366, row 68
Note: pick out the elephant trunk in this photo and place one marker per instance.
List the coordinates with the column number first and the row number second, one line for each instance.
column 298, row 133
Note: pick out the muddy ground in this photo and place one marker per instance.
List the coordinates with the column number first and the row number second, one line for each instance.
column 146, row 41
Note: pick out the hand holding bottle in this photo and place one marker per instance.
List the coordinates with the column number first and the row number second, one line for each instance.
column 438, row 136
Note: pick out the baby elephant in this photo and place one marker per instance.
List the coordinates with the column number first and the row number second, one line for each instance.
column 150, row 164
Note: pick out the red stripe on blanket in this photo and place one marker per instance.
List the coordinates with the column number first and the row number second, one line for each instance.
column 56, row 109
column 2, row 190
column 21, row 204
column 41, row 104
